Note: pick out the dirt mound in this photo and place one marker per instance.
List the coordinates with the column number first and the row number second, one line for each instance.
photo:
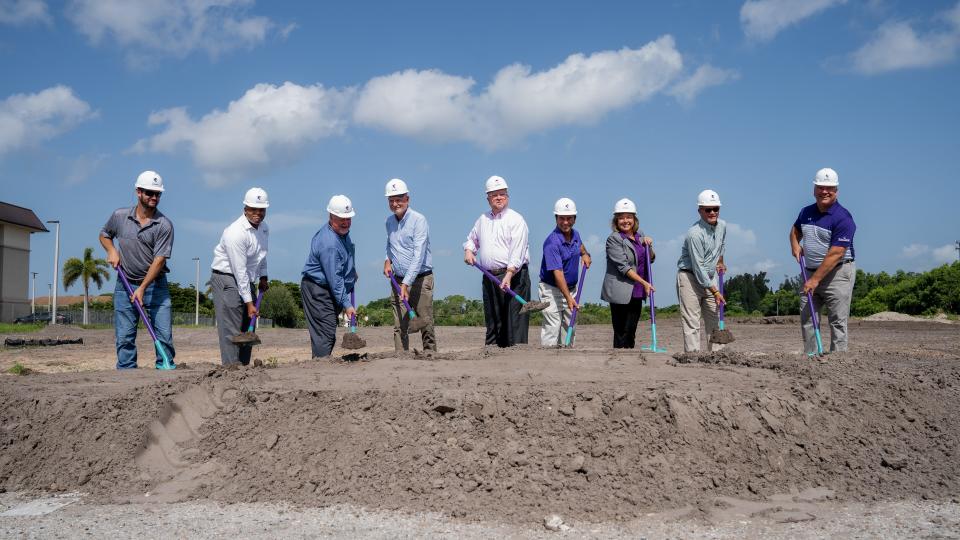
column 893, row 316
column 515, row 434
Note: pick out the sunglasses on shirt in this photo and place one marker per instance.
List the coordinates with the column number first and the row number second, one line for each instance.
column 710, row 210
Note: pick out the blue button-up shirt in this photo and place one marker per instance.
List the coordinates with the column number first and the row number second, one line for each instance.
column 408, row 245
column 558, row 254
column 330, row 263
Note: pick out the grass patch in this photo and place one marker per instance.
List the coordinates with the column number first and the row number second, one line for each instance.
column 19, row 369
column 10, row 328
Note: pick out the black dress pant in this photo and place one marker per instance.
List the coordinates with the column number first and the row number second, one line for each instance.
column 501, row 313
column 625, row 319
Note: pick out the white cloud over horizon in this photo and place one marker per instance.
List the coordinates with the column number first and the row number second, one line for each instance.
column 267, row 124
column 946, row 253
column 27, row 119
column 171, row 28
column 582, row 89
column 270, row 122
column 704, row 77
column 899, row 45
column 762, row 20
column 17, row 12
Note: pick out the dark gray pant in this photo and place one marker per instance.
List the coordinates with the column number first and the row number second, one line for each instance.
column 501, row 313
column 321, row 311
column 231, row 319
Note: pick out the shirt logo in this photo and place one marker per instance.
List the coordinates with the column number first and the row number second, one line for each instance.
column 843, row 239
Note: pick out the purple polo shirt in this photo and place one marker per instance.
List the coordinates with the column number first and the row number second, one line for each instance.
column 558, row 254
column 819, row 231
column 641, row 252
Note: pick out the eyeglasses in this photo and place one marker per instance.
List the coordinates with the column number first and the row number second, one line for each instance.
column 710, row 210
column 149, row 193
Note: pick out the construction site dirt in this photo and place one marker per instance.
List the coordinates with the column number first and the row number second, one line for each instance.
column 590, row 433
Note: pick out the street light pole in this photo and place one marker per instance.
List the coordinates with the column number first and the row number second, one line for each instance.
column 49, row 298
column 196, row 318
column 56, row 271
column 33, row 295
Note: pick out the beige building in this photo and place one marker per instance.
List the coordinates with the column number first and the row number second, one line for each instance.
column 16, row 226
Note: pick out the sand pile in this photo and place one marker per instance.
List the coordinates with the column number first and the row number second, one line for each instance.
column 888, row 316
column 473, row 435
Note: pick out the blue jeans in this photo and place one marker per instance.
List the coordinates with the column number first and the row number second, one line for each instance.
column 156, row 300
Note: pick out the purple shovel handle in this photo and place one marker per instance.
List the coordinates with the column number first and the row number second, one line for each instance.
column 397, row 287
column 143, row 315
column 653, row 309
column 494, row 279
column 813, row 312
column 253, row 320
column 573, row 316
column 720, row 286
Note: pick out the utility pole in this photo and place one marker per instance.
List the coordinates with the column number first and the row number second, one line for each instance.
column 56, row 272
column 49, row 298
column 33, row 295
column 196, row 318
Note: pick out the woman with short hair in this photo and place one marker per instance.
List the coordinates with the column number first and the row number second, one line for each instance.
column 626, row 283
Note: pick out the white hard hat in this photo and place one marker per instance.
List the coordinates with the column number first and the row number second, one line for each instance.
column 826, row 177
column 495, row 183
column 624, row 206
column 708, row 197
column 256, row 198
column 395, row 187
column 565, row 207
column 150, row 180
column 340, row 206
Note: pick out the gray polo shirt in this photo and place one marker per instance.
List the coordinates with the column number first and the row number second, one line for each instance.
column 138, row 246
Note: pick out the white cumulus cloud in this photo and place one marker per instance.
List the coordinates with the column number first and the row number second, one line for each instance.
column 581, row 90
column 762, row 20
column 704, row 77
column 945, row 254
column 914, row 250
column 27, row 119
column 18, row 12
column 265, row 125
column 171, row 27
column 898, row 45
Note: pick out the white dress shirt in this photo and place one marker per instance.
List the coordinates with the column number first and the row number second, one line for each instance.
column 499, row 240
column 242, row 251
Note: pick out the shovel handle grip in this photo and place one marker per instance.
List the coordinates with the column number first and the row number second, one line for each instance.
column 396, row 286
column 253, row 320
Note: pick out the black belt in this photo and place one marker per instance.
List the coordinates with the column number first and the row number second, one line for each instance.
column 687, row 271
column 502, row 271
column 420, row 275
column 219, row 273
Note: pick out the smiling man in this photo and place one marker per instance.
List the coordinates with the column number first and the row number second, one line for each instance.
column 562, row 252
column 329, row 276
column 822, row 238
column 409, row 261
column 145, row 238
column 498, row 242
column 238, row 261
column 701, row 258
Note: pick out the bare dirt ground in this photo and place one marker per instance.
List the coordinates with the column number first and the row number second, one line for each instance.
column 607, row 439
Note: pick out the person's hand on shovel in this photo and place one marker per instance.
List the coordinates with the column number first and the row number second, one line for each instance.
column 719, row 297
column 404, row 292
column 572, row 302
column 349, row 312
column 505, row 281
column 251, row 310
column 137, row 295
column 468, row 257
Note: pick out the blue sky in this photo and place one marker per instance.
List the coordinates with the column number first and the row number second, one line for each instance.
column 654, row 101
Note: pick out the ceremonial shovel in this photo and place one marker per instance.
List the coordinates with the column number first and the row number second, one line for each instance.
column 167, row 363
column 416, row 323
column 249, row 338
column 532, row 305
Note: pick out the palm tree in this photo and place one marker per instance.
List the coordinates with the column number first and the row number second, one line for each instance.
column 86, row 270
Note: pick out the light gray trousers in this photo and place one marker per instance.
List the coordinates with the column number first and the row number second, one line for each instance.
column 833, row 295
column 231, row 319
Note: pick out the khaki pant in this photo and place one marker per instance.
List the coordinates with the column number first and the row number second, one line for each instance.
column 421, row 300
column 556, row 318
column 694, row 302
